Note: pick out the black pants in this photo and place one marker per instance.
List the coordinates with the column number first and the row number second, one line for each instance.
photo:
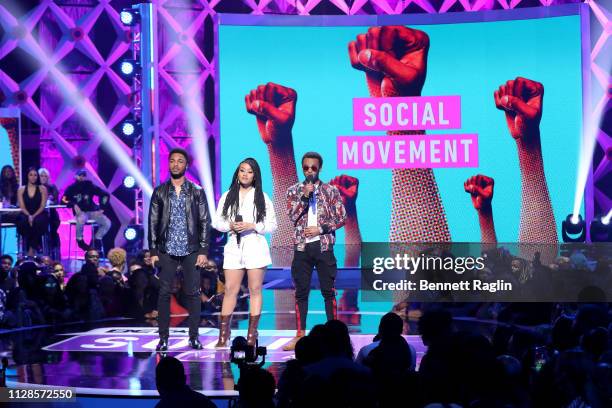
column 168, row 265
column 301, row 272
column 32, row 234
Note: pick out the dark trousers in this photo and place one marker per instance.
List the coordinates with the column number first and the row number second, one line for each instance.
column 32, row 234
column 301, row 272
column 168, row 265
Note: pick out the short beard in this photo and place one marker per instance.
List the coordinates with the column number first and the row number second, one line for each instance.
column 177, row 176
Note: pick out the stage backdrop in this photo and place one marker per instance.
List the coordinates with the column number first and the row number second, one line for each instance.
column 471, row 59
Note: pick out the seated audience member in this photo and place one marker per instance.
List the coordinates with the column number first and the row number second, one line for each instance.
column 33, row 220
column 82, row 293
column 79, row 196
column 256, row 388
column 144, row 259
column 143, row 292
column 390, row 328
column 52, row 301
column 7, row 281
column 59, row 273
column 173, row 389
column 338, row 352
column 436, row 329
column 111, row 294
column 208, row 285
column 391, row 359
column 92, row 257
column 21, row 301
column 307, row 351
column 117, row 258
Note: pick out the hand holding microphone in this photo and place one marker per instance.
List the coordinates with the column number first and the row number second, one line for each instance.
column 308, row 186
column 237, row 219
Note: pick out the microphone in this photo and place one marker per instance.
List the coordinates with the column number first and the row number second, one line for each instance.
column 238, row 218
column 309, row 180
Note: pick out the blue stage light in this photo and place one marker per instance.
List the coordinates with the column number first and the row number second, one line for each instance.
column 130, row 233
column 127, row 67
column 129, row 182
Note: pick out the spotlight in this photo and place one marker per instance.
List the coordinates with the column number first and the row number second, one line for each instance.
column 128, row 67
column 130, row 128
column 129, row 16
column 132, row 232
column 601, row 229
column 129, row 182
column 574, row 225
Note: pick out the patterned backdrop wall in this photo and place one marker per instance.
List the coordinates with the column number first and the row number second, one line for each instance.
column 86, row 39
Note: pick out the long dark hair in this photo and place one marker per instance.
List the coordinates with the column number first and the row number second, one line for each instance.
column 8, row 184
column 28, row 176
column 230, row 208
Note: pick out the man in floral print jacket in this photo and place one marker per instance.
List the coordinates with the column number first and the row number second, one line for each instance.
column 316, row 210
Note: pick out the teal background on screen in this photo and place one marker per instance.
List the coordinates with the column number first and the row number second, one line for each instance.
column 467, row 59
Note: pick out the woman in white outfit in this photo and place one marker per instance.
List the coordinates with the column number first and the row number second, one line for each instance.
column 246, row 212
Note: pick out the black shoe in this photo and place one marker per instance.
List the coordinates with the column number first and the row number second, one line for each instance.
column 195, row 344
column 162, row 345
column 83, row 245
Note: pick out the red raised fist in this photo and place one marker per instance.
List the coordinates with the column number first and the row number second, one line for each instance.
column 481, row 189
column 274, row 107
column 348, row 187
column 394, row 59
column 521, row 100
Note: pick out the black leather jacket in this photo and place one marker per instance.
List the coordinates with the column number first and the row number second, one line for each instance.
column 198, row 218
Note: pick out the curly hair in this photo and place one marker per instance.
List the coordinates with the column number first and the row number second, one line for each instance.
column 117, row 256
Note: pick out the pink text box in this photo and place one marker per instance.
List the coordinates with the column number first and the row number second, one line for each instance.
column 407, row 151
column 407, row 113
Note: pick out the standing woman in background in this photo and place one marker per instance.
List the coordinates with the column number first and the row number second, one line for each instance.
column 33, row 221
column 246, row 212
column 54, row 219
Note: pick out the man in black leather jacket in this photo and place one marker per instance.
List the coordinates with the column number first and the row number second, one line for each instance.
column 179, row 229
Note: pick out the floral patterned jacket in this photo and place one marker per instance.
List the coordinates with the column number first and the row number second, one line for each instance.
column 330, row 214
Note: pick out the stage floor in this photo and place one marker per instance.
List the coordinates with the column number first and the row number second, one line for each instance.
column 117, row 357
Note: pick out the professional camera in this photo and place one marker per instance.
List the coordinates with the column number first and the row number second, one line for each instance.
column 244, row 355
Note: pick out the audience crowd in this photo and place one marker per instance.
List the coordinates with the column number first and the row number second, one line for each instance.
column 36, row 291
column 538, row 355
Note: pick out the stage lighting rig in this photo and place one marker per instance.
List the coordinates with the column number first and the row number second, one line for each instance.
column 130, row 128
column 601, row 229
column 133, row 232
column 573, row 225
column 129, row 182
column 129, row 16
column 129, row 67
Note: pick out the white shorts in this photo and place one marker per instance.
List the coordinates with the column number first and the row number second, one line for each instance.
column 252, row 253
